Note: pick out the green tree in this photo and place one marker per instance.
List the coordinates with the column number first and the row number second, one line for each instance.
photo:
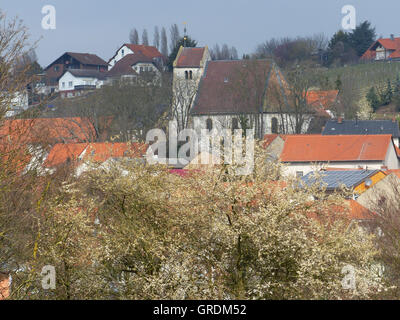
column 388, row 92
column 338, row 83
column 183, row 42
column 373, row 99
column 339, row 48
column 362, row 37
column 396, row 93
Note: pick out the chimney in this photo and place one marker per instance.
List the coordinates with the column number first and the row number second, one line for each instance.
column 392, row 37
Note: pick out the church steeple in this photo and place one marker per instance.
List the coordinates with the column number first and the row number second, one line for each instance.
column 184, row 35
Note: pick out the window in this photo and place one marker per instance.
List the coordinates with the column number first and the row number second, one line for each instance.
column 63, row 84
column 274, row 125
column 299, row 174
column 70, row 84
column 191, row 75
column 186, row 75
column 141, row 69
column 122, row 52
column 209, row 124
column 235, row 124
column 56, row 68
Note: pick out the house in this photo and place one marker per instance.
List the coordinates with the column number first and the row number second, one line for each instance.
column 386, row 189
column 305, row 153
column 25, row 143
column 273, row 145
column 357, row 180
column 363, row 127
column 323, row 99
column 72, row 60
column 47, row 131
column 75, row 81
column 133, row 67
column 78, row 155
column 149, row 52
column 383, row 49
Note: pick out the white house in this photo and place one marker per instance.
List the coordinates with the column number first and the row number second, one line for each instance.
column 147, row 51
column 77, row 80
column 305, row 153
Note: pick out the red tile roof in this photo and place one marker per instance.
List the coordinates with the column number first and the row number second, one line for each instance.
column 395, row 171
column 312, row 148
column 324, row 99
column 236, row 86
column 97, row 152
column 359, row 212
column 388, row 44
column 148, row 51
column 269, row 138
column 48, row 130
column 124, row 66
column 190, row 57
column 62, row 153
column 100, row 152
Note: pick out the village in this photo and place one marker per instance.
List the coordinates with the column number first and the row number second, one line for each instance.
column 77, row 154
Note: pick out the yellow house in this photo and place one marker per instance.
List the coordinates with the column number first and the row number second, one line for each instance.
column 358, row 180
column 370, row 182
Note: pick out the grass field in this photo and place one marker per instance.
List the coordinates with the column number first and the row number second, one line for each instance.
column 366, row 74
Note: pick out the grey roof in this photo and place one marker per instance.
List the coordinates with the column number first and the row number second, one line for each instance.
column 82, row 73
column 335, row 179
column 359, row 127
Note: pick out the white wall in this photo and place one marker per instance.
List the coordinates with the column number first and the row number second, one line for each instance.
column 392, row 161
column 290, row 169
column 225, row 122
column 68, row 82
column 119, row 55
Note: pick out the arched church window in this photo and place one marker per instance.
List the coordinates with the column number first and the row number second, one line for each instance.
column 190, row 75
column 274, row 125
column 235, row 124
column 186, row 75
column 209, row 124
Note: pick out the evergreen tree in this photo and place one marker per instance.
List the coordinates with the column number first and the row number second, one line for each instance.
column 388, row 93
column 338, row 47
column 396, row 93
column 362, row 37
column 373, row 99
column 186, row 42
column 338, row 83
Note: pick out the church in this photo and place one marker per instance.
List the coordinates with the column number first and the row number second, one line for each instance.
column 231, row 94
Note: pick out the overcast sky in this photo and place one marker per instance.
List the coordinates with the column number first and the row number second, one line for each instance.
column 100, row 27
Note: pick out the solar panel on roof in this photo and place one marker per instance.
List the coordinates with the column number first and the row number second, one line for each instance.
column 335, row 179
